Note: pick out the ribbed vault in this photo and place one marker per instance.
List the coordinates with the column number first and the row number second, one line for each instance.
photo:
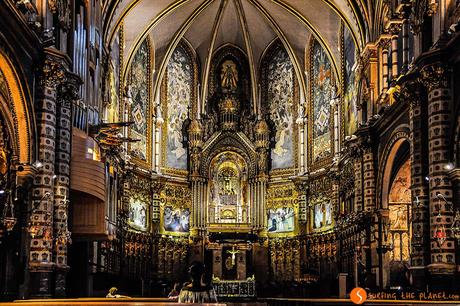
column 251, row 25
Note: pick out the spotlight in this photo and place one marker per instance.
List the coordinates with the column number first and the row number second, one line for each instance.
column 449, row 166
column 427, row 178
column 37, row 164
column 54, row 177
column 2, row 191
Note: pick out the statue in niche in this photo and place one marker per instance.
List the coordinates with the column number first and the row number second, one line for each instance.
column 229, row 75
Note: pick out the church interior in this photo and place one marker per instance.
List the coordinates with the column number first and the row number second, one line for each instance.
column 298, row 149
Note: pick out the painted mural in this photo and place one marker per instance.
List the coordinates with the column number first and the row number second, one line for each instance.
column 281, row 220
column 176, row 220
column 351, row 86
column 322, row 213
column 137, row 217
column 179, row 96
column 322, row 93
column 280, row 96
column 139, row 92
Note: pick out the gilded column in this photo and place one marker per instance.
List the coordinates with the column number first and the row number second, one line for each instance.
column 195, row 144
column 67, row 94
column 262, row 144
column 437, row 80
column 301, row 185
column 413, row 94
column 41, row 262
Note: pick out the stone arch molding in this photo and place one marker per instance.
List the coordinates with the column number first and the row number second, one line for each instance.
column 227, row 141
column 399, row 136
column 16, row 112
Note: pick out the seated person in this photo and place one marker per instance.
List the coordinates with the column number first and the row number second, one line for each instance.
column 113, row 293
column 174, row 294
column 197, row 291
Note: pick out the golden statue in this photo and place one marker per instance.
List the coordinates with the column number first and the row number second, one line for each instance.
column 229, row 75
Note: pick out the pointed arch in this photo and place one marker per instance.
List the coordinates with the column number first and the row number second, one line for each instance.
column 15, row 111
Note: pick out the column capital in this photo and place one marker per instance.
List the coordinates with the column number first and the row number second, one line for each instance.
column 412, row 92
column 435, row 76
column 68, row 89
column 53, row 70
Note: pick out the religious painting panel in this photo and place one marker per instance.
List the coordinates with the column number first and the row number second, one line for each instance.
column 321, row 212
column 175, row 210
column 281, row 220
column 176, row 219
column 279, row 85
column 180, row 74
column 351, row 86
column 282, row 208
column 138, row 87
column 228, row 189
column 138, row 214
column 322, row 90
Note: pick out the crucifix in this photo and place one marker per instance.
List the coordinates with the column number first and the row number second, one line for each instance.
column 233, row 252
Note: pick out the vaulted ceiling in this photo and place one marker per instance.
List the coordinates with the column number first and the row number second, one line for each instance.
column 250, row 25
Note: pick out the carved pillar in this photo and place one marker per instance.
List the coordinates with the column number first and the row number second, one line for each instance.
column 358, row 179
column 198, row 223
column 67, row 94
column 369, row 177
column 301, row 185
column 262, row 144
column 384, row 44
column 41, row 245
column 437, row 79
column 157, row 186
column 414, row 95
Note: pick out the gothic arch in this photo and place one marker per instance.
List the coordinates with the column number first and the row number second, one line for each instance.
column 15, row 112
column 389, row 156
column 229, row 142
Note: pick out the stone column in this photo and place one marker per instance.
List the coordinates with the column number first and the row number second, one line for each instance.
column 414, row 94
column 394, row 56
column 358, row 179
column 369, row 177
column 67, row 94
column 442, row 268
column 41, row 262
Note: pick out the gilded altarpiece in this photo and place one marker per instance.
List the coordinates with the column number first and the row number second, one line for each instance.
column 179, row 88
column 321, row 93
column 400, row 214
column 280, row 96
column 139, row 92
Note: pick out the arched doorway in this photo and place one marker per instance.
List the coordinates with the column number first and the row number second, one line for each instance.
column 396, row 231
column 15, row 153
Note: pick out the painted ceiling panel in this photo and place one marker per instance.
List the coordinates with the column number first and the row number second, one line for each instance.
column 199, row 35
column 260, row 32
column 230, row 30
